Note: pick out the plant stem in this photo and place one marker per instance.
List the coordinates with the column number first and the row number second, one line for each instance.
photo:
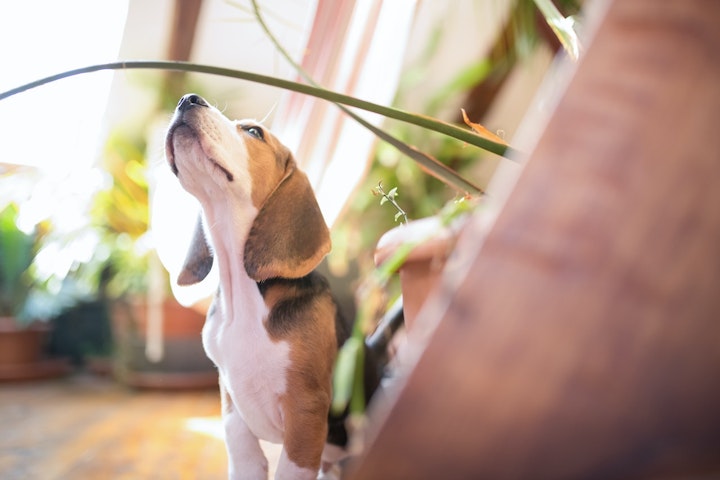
column 390, row 197
column 415, row 119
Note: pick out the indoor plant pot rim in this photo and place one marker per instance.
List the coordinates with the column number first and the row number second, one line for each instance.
column 432, row 239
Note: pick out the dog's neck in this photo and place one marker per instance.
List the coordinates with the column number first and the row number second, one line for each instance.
column 228, row 229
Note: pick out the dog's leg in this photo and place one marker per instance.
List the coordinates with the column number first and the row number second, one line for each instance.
column 305, row 435
column 246, row 459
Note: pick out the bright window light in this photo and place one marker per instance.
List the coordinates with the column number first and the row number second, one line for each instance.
column 56, row 128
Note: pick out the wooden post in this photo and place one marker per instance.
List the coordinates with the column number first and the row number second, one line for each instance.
column 585, row 340
column 186, row 15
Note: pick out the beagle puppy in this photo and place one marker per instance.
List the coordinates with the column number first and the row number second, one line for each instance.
column 274, row 328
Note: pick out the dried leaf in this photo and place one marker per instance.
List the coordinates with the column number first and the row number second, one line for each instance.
column 482, row 131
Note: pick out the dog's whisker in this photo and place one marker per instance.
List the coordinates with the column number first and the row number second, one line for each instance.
column 272, row 109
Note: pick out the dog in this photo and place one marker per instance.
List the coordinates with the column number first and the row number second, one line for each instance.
column 273, row 329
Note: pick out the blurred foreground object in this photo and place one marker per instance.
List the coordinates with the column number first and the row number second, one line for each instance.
column 583, row 340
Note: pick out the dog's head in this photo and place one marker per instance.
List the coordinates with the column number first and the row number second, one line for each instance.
column 240, row 169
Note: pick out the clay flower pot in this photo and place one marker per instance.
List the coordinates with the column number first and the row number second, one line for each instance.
column 182, row 363
column 421, row 270
column 22, row 352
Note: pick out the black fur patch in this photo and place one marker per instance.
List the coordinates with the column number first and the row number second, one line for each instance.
column 291, row 311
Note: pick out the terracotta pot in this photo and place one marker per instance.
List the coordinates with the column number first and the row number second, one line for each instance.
column 422, row 268
column 182, row 363
column 22, row 355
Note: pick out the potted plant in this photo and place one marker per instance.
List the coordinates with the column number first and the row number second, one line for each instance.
column 418, row 251
column 23, row 305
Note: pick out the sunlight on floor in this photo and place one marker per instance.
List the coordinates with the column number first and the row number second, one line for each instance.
column 212, row 426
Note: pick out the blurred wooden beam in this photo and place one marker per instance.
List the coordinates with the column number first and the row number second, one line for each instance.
column 585, row 340
column 185, row 19
column 186, row 14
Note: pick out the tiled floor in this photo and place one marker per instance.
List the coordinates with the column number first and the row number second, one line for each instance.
column 89, row 427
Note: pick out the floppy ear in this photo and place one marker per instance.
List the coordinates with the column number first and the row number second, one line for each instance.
column 198, row 260
column 289, row 237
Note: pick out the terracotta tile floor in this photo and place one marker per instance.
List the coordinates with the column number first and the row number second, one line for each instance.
column 89, row 427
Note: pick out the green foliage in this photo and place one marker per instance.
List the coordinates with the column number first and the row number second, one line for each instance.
column 561, row 26
column 386, row 197
column 16, row 256
column 121, row 214
column 123, row 208
column 23, row 294
column 462, row 82
column 358, row 231
column 348, row 374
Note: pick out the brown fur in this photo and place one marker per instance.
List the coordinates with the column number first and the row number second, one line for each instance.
column 267, row 166
column 289, row 236
column 311, row 333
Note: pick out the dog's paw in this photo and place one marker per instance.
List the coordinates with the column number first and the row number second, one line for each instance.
column 333, row 472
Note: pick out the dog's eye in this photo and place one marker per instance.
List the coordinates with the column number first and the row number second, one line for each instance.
column 256, row 132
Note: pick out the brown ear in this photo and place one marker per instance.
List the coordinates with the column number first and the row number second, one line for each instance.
column 289, row 237
column 198, row 260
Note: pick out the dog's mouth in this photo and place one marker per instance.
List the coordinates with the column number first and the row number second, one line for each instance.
column 170, row 148
column 183, row 135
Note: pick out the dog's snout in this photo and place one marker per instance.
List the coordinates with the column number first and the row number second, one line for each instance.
column 190, row 100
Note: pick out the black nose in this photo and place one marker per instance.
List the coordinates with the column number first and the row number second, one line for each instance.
column 191, row 100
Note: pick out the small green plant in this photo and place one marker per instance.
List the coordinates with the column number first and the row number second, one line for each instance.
column 23, row 294
column 390, row 197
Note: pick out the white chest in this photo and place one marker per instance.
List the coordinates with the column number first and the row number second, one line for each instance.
column 252, row 366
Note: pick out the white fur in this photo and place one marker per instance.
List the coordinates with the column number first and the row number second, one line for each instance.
column 287, row 470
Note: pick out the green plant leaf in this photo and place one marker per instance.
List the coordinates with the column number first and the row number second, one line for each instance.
column 466, row 79
column 562, row 27
column 16, row 256
column 415, row 119
column 345, row 369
